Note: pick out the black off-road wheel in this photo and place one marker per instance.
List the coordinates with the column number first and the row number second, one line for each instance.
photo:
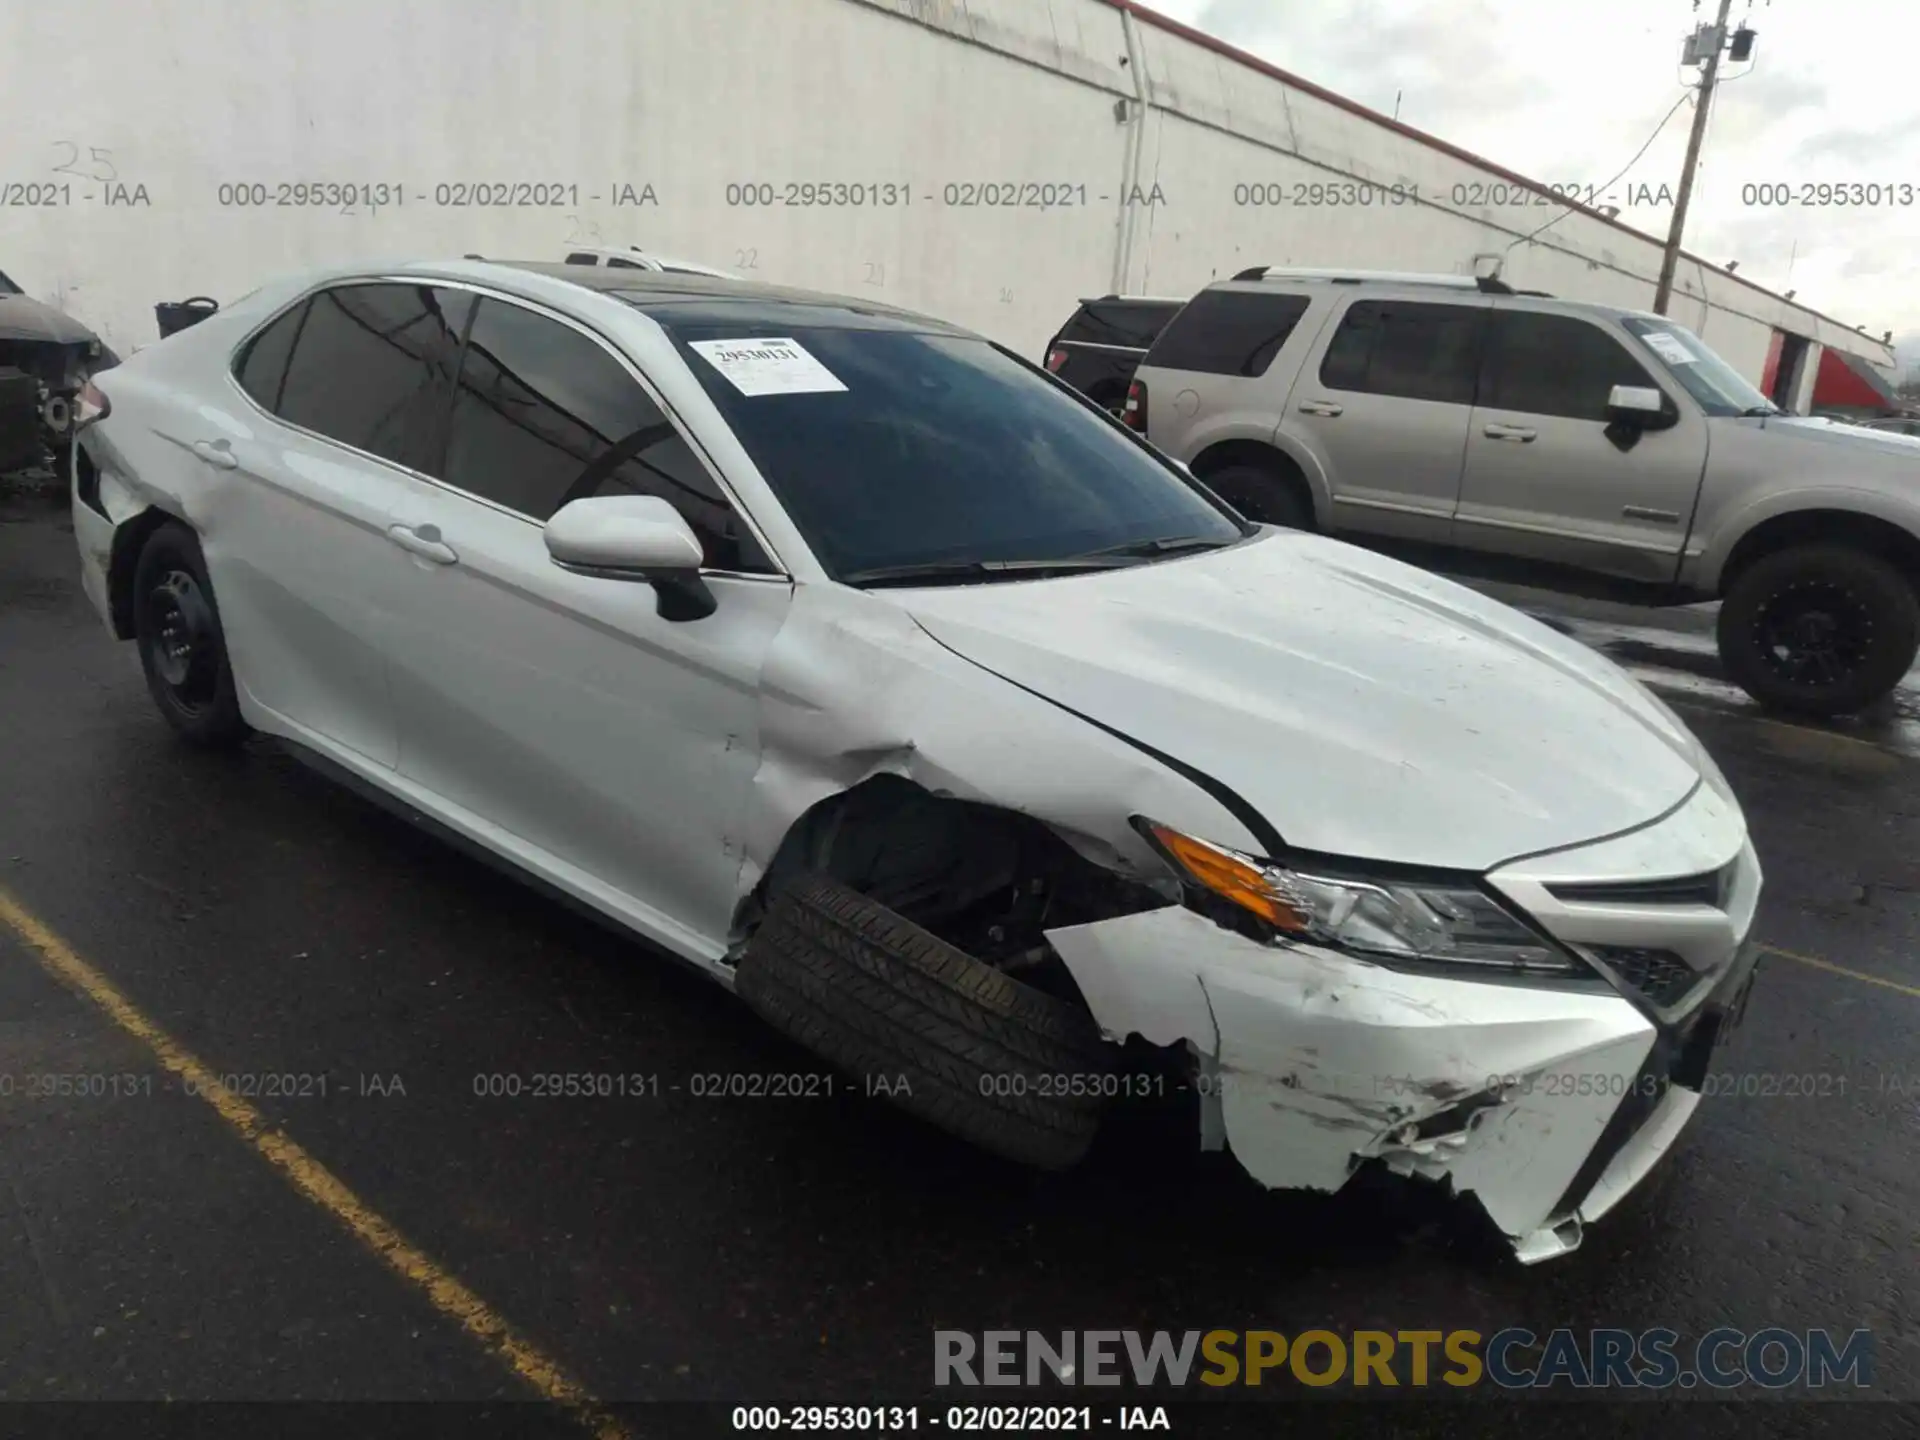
column 952, row 1041
column 1819, row 629
column 182, row 648
column 1262, row 495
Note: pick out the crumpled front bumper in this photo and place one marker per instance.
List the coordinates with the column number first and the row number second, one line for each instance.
column 1547, row 1103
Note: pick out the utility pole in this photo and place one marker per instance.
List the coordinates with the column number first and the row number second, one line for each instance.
column 1671, row 259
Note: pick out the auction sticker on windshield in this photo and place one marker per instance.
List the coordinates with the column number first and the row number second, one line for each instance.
column 768, row 366
column 1668, row 348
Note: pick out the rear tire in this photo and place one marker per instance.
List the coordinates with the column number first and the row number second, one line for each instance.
column 983, row 1057
column 1819, row 629
column 183, row 650
column 1262, row 495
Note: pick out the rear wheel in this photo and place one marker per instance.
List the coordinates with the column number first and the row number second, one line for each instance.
column 1262, row 495
column 182, row 649
column 936, row 1032
column 1819, row 629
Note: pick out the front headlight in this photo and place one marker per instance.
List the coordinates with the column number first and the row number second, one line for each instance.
column 1376, row 918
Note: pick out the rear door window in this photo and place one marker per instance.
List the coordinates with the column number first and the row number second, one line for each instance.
column 262, row 366
column 373, row 368
column 1555, row 365
column 1415, row 350
column 1228, row 332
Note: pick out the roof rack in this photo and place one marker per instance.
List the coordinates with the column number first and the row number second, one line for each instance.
column 1485, row 284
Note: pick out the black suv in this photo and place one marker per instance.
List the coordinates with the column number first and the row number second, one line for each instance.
column 1099, row 346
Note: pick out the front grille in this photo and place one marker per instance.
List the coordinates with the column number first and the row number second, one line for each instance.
column 1712, row 887
column 1660, row 975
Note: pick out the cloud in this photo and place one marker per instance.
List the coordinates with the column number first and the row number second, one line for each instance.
column 1569, row 98
column 1862, row 147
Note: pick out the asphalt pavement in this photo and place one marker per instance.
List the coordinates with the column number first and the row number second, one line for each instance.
column 366, row 1216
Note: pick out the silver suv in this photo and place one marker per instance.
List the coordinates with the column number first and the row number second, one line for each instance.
column 1575, row 446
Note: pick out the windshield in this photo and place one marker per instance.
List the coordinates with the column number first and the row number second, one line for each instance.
column 893, row 450
column 1716, row 385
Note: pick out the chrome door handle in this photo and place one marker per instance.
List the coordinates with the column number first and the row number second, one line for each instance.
column 216, row 453
column 1517, row 433
column 1321, row 407
column 424, row 541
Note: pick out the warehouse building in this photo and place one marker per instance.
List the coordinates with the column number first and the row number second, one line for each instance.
column 990, row 161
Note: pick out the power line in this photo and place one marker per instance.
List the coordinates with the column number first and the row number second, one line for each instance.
column 1603, row 188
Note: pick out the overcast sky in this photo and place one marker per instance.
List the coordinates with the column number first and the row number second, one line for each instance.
column 1565, row 92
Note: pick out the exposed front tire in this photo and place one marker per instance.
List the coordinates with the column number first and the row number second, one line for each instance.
column 1262, row 495
column 176, row 627
column 1819, row 629
column 944, row 1037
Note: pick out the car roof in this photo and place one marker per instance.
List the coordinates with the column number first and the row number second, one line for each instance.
column 651, row 289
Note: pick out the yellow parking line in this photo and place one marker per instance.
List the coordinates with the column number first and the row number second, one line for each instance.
column 1831, row 968
column 312, row 1179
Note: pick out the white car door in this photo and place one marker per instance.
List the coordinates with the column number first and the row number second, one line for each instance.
column 347, row 384
column 609, row 748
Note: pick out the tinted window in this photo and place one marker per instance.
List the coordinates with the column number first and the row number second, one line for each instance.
column 1228, row 332
column 263, row 364
column 544, row 415
column 7, row 287
column 373, row 368
column 1119, row 322
column 1555, row 365
column 1407, row 349
column 581, row 257
column 625, row 265
column 943, row 448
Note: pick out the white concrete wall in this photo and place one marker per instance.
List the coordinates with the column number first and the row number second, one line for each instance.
column 161, row 102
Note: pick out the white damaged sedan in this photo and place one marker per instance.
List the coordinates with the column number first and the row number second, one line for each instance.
column 857, row 662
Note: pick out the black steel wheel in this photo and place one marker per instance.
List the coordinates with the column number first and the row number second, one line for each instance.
column 182, row 648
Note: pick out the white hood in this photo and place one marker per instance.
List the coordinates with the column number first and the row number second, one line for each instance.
column 1364, row 707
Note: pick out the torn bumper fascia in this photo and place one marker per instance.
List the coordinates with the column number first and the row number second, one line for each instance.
column 1548, row 1104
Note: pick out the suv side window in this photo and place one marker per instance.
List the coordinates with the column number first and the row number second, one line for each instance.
column 1415, row 350
column 373, row 368
column 582, row 257
column 1111, row 322
column 543, row 415
column 1227, row 332
column 1555, row 365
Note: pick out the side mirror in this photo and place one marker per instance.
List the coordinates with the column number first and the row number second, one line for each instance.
column 636, row 538
column 1641, row 407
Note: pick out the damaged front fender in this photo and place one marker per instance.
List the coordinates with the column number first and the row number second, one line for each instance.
column 853, row 688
